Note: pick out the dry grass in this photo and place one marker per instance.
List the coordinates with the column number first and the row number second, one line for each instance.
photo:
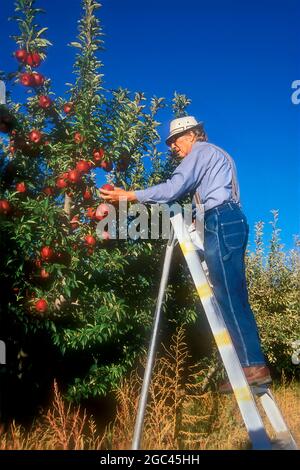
column 61, row 428
column 163, row 411
column 181, row 414
column 288, row 399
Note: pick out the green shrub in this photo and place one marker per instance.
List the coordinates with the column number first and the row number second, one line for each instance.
column 273, row 282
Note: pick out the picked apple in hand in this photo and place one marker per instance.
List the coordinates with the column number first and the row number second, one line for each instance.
column 117, row 194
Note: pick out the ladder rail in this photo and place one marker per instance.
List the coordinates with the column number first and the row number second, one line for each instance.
column 283, row 434
column 137, row 436
column 236, row 376
column 190, row 242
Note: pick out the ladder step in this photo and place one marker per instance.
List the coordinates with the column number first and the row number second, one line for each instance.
column 284, row 441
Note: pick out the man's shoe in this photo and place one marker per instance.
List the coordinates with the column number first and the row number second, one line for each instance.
column 255, row 375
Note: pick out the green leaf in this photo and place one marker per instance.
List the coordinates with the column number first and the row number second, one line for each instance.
column 76, row 44
column 39, row 33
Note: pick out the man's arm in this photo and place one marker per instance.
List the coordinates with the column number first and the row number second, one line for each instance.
column 116, row 194
column 186, row 177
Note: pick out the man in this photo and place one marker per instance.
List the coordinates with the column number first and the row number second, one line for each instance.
column 210, row 173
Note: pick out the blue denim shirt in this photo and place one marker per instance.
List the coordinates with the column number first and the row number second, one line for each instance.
column 207, row 169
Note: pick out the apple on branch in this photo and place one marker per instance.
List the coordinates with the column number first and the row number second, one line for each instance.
column 102, row 211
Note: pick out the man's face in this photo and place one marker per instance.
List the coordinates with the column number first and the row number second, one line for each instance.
column 183, row 144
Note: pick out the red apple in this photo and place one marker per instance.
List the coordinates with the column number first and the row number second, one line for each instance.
column 26, row 79
column 90, row 240
column 41, row 306
column 44, row 274
column 83, row 166
column 91, row 212
column 102, row 211
column 33, row 59
column 68, row 107
column 21, row 187
column 61, row 183
column 98, row 155
column 21, row 55
column 107, row 187
column 48, row 191
column 74, row 176
column 87, row 195
column 47, row 253
column 37, row 79
column 78, row 138
column 74, row 222
column 5, row 207
column 45, row 102
column 38, row 263
column 63, row 180
column 35, row 136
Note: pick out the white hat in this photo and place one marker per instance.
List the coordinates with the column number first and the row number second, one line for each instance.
column 180, row 125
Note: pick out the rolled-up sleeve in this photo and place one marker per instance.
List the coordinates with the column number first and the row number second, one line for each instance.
column 186, row 178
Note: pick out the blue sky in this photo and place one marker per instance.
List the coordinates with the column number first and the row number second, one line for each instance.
column 235, row 59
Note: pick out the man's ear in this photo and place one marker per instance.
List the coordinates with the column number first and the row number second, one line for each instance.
column 191, row 136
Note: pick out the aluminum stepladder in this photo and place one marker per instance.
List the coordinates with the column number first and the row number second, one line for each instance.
column 190, row 243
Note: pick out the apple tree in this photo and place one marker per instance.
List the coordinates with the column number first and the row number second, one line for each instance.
column 75, row 306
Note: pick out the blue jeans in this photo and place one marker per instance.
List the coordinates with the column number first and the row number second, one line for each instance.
column 225, row 240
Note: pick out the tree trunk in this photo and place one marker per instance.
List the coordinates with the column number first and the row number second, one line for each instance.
column 67, row 205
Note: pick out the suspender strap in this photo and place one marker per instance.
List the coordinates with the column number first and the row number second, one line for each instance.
column 197, row 199
column 235, row 186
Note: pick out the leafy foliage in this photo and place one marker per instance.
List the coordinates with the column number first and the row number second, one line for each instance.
column 88, row 307
column 274, row 286
column 82, row 313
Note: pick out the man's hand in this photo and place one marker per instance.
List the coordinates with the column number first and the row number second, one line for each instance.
column 116, row 194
